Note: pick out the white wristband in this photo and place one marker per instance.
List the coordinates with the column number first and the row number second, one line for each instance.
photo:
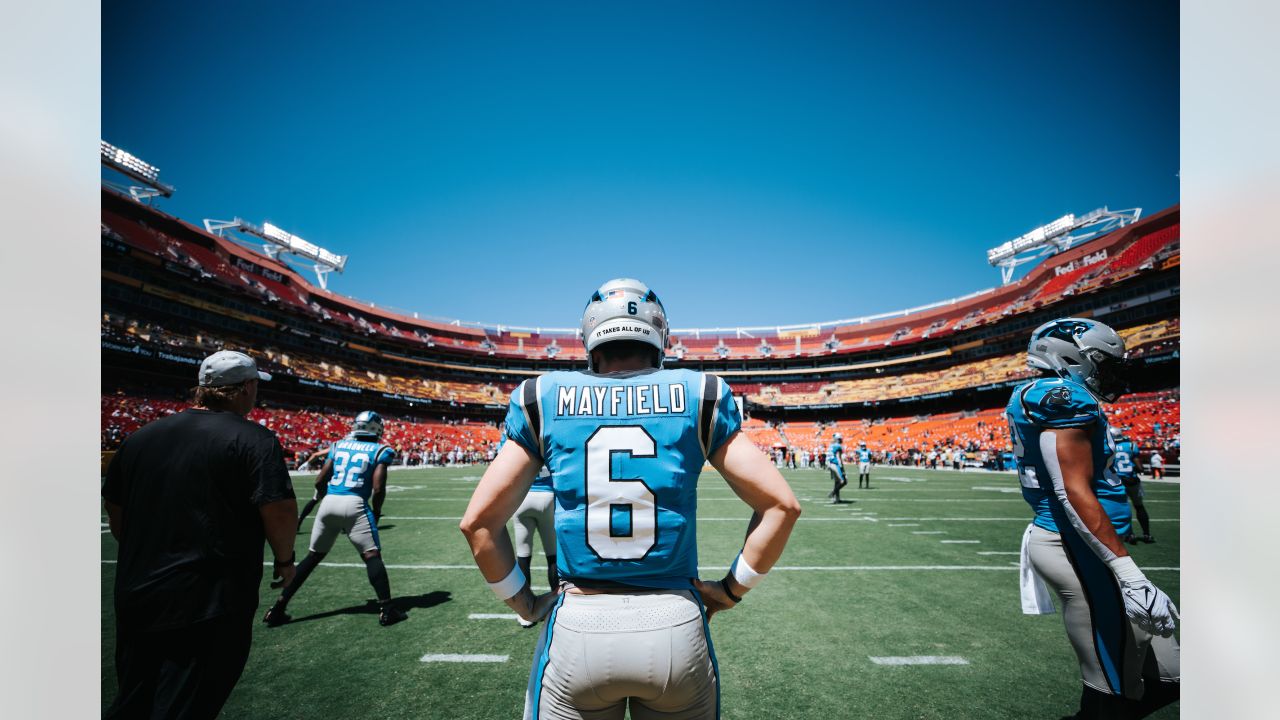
column 508, row 586
column 1126, row 570
column 744, row 574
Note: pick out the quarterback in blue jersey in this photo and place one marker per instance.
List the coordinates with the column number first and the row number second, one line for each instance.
column 1126, row 467
column 835, row 466
column 625, row 441
column 351, row 487
column 1119, row 624
column 864, row 465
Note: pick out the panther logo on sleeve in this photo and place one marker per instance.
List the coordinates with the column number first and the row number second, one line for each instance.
column 1058, row 396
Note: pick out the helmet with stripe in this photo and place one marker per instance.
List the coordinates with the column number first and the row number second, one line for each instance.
column 624, row 309
column 367, row 423
column 1085, row 351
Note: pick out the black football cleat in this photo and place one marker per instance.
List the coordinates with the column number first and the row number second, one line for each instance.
column 391, row 616
column 276, row 617
column 1147, row 539
column 1130, row 538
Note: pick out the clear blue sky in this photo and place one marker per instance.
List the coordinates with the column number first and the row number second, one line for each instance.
column 755, row 163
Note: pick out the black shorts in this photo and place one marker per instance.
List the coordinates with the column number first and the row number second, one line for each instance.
column 183, row 673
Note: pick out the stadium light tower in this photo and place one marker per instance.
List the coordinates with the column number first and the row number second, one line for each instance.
column 1056, row 237
column 280, row 243
column 134, row 168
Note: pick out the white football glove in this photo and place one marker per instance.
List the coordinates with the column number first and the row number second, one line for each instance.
column 1146, row 605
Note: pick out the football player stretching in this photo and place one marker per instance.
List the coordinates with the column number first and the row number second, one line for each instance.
column 625, row 441
column 1119, row 624
column 351, row 487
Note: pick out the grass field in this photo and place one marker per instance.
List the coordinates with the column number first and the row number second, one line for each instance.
column 924, row 564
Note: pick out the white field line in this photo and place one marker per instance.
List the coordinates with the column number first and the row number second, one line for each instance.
column 451, row 658
column 998, row 489
column 997, row 519
column 960, row 542
column 788, row 568
column 904, row 524
column 999, row 552
column 493, row 616
column 920, row 660
column 928, row 532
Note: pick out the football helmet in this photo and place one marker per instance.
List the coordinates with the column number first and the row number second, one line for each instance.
column 367, row 423
column 624, row 309
column 1085, row 351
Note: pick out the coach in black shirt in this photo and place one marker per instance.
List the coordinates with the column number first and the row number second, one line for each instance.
column 190, row 498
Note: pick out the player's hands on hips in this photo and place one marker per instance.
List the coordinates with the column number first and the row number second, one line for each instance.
column 1149, row 608
column 530, row 607
column 714, row 597
column 283, row 575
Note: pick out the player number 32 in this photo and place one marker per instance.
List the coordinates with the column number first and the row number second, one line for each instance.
column 622, row 514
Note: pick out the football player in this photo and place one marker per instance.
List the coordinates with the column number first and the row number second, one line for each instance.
column 864, row 465
column 835, row 465
column 1119, row 624
column 351, row 487
column 537, row 513
column 625, row 441
column 1126, row 467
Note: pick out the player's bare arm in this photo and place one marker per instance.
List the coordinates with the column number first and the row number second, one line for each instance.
column 755, row 480
column 379, row 490
column 495, row 500
column 280, row 522
column 115, row 518
column 1075, row 457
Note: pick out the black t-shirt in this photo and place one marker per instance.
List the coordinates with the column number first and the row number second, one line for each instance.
column 190, row 485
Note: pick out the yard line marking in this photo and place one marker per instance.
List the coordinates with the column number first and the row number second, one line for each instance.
column 997, row 519
column 999, row 552
column 793, row 568
column 493, row 616
column 928, row 532
column 998, row 489
column 452, row 658
column 904, row 524
column 960, row 542
column 920, row 660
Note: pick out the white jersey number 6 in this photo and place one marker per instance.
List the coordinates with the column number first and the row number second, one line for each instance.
column 614, row 503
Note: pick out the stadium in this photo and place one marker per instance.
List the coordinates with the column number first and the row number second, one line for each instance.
column 924, row 388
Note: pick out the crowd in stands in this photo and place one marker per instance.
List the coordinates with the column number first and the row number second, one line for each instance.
column 304, row 432
column 1151, row 420
column 1144, row 339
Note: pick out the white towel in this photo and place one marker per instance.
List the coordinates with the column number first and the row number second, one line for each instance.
column 1036, row 599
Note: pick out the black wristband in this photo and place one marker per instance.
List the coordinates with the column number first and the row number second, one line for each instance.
column 286, row 563
column 724, row 583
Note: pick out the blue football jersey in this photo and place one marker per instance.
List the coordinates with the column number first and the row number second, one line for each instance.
column 542, row 483
column 1124, row 463
column 625, row 451
column 1054, row 403
column 864, row 455
column 835, row 453
column 353, row 463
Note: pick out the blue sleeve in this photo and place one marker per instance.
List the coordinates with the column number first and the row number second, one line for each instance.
column 385, row 456
column 727, row 421
column 1059, row 404
column 517, row 425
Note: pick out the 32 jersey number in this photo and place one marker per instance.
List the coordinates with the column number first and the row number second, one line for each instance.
column 621, row 499
column 348, row 469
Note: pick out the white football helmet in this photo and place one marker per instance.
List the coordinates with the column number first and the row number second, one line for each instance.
column 1085, row 351
column 624, row 309
column 367, row 423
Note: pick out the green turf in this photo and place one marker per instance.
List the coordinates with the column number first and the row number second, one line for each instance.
column 799, row 646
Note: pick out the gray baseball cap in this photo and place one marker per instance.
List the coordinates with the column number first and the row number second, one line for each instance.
column 228, row 367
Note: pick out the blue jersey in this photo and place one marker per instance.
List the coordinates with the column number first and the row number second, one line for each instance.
column 1054, row 403
column 835, row 453
column 542, row 483
column 864, row 455
column 353, row 463
column 1125, row 463
column 625, row 451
